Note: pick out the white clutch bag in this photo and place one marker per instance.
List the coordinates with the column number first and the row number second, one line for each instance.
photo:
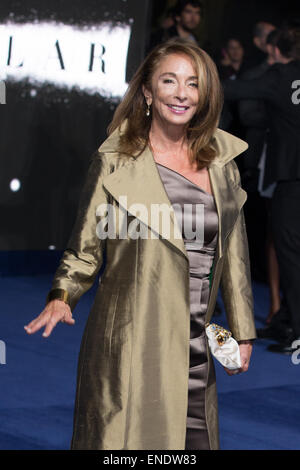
column 223, row 347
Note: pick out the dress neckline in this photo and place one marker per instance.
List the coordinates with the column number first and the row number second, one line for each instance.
column 179, row 174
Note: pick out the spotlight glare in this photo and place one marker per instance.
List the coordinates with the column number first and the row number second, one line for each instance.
column 15, row 185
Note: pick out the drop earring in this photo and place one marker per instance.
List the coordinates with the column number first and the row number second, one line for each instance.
column 148, row 110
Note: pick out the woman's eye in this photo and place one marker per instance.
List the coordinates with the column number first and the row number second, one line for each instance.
column 168, row 80
column 194, row 84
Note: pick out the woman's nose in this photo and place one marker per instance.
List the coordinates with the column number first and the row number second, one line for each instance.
column 181, row 93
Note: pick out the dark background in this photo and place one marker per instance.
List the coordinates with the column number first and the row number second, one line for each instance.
column 46, row 141
column 226, row 18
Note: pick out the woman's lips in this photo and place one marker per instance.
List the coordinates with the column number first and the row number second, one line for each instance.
column 176, row 109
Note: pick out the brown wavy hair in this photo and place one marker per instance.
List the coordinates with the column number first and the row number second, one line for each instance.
column 201, row 128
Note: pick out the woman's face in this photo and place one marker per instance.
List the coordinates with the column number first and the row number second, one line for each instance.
column 174, row 95
column 235, row 50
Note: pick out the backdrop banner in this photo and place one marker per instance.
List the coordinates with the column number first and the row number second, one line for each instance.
column 64, row 66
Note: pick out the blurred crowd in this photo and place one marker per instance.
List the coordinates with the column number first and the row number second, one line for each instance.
column 262, row 106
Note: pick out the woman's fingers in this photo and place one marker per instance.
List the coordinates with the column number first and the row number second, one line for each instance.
column 38, row 322
column 50, row 316
column 245, row 364
column 54, row 319
column 68, row 320
column 243, row 368
column 52, row 322
column 245, row 353
column 233, row 371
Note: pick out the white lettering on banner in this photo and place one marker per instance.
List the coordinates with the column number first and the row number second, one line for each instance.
column 91, row 58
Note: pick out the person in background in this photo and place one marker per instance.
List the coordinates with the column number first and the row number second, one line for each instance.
column 254, row 116
column 278, row 87
column 187, row 16
column 169, row 19
column 231, row 64
column 260, row 33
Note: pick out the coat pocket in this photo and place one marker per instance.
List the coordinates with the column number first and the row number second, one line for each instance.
column 111, row 309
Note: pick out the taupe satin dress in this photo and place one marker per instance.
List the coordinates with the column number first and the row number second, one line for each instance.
column 201, row 252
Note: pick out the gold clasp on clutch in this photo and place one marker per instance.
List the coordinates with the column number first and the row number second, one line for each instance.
column 221, row 333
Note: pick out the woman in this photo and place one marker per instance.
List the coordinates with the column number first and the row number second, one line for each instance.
column 145, row 375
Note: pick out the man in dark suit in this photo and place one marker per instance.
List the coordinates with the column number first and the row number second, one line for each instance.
column 279, row 88
column 253, row 113
column 254, row 117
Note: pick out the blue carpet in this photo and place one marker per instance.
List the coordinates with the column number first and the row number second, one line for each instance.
column 258, row 409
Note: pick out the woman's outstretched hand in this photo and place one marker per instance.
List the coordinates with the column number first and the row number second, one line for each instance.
column 245, row 352
column 55, row 311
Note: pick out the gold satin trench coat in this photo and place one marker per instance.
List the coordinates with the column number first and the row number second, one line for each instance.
column 133, row 366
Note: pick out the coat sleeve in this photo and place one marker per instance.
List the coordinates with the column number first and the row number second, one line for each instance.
column 236, row 287
column 83, row 256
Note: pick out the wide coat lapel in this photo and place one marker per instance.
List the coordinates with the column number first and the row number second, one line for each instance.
column 139, row 180
column 229, row 199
